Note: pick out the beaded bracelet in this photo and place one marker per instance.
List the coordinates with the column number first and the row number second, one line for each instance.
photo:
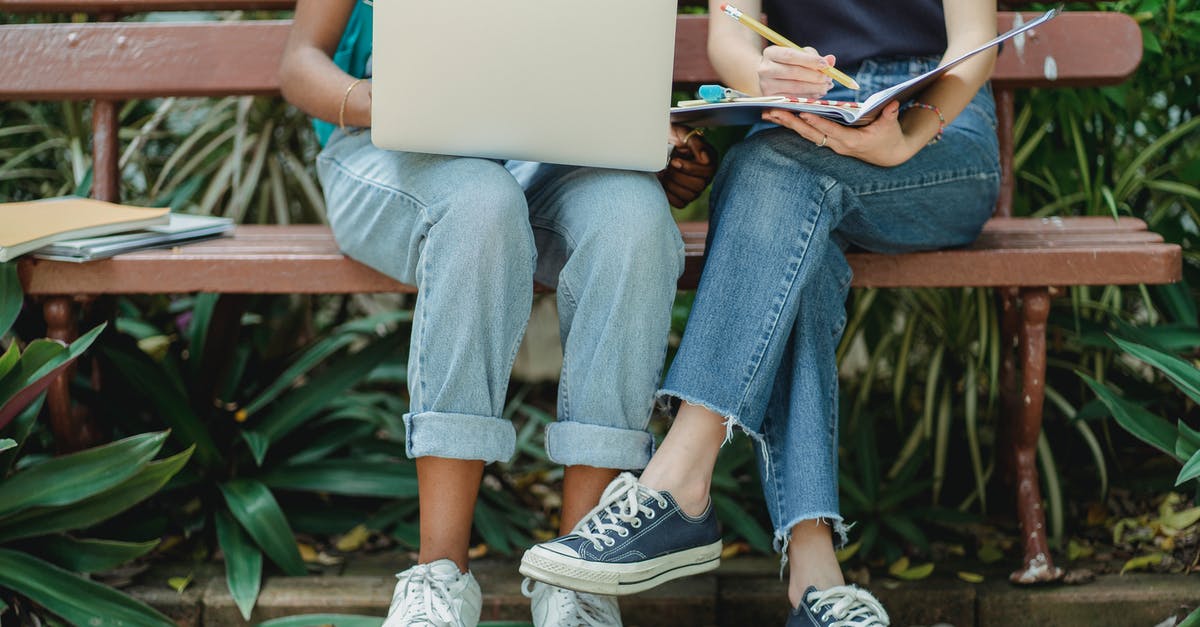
column 941, row 119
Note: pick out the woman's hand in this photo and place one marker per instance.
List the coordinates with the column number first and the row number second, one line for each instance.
column 790, row 72
column 693, row 162
column 883, row 142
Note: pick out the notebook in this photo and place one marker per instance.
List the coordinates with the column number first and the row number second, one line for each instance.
column 181, row 229
column 740, row 111
column 556, row 81
column 26, row 226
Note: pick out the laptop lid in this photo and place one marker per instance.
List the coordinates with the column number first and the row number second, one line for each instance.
column 558, row 81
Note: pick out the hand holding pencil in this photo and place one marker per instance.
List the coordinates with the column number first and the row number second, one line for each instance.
column 780, row 40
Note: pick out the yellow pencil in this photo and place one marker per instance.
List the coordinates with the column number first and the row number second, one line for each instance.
column 780, row 40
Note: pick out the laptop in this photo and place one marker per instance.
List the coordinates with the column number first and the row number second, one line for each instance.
column 558, row 81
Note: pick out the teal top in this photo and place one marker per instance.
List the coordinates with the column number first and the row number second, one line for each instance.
column 353, row 52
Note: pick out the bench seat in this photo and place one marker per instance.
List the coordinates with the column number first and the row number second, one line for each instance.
column 1011, row 252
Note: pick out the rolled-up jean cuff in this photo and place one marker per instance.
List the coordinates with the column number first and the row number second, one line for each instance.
column 459, row 436
column 578, row 444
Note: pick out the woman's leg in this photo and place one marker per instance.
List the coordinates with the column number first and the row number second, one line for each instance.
column 606, row 240
column 457, row 229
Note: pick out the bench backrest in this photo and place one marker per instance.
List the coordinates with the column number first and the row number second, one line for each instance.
column 109, row 61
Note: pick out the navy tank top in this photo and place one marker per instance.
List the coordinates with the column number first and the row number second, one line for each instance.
column 855, row 30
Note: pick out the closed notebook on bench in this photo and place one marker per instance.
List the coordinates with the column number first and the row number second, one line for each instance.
column 558, row 81
column 26, row 226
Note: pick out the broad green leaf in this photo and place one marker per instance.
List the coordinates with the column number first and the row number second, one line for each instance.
column 6, row 444
column 78, row 600
column 1182, row 373
column 302, row 403
column 1191, row 470
column 736, row 519
column 906, row 529
column 37, row 371
column 311, row 358
column 11, row 296
column 202, row 313
column 9, row 359
column 37, row 354
column 70, row 478
column 22, row 427
column 321, row 620
column 1192, row 620
column 349, row 477
column 258, row 445
column 1149, row 428
column 95, row 509
column 243, row 563
column 169, row 401
column 253, row 505
column 89, row 555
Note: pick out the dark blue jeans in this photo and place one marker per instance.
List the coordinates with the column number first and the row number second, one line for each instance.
column 760, row 344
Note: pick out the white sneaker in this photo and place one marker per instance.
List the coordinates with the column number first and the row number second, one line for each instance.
column 560, row 607
column 435, row 595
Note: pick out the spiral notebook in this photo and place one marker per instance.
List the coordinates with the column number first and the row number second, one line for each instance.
column 745, row 111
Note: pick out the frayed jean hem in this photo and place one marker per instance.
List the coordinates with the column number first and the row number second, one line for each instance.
column 730, row 419
column 572, row 443
column 783, row 535
column 459, row 436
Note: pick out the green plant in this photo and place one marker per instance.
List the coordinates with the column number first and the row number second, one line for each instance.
column 46, row 504
column 267, row 430
column 1179, row 440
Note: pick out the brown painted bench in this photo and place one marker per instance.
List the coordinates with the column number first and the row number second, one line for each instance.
column 1025, row 259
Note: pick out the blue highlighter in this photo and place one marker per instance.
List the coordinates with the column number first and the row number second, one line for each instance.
column 718, row 93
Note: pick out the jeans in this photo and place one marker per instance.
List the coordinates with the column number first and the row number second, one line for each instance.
column 760, row 344
column 473, row 240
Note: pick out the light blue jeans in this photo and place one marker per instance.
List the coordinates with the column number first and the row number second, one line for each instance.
column 473, row 239
column 760, row 343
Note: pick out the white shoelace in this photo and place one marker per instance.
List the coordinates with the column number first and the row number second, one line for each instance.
column 850, row 606
column 424, row 599
column 588, row 610
column 620, row 503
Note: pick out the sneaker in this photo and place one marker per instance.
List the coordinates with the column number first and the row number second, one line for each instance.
column 840, row 606
column 635, row 539
column 558, row 607
column 436, row 594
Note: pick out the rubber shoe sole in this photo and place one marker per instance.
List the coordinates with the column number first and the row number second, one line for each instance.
column 617, row 579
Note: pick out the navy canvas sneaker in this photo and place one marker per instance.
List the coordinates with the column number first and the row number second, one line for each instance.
column 840, row 606
column 635, row 539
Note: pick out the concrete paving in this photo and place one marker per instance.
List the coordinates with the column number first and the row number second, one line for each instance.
column 743, row 592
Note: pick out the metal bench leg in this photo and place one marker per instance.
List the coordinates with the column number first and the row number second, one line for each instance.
column 1038, row 566
column 72, row 429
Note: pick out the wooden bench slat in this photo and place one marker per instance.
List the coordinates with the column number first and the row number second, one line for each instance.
column 294, row 259
column 141, row 60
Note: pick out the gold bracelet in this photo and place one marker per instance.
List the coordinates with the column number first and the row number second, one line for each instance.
column 345, row 99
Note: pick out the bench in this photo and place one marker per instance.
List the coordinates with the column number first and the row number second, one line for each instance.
column 1026, row 260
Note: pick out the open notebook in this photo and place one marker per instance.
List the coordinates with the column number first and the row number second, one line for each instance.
column 740, row 111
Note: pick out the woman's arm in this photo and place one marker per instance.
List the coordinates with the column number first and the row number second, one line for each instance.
column 969, row 23
column 893, row 138
column 737, row 54
column 307, row 75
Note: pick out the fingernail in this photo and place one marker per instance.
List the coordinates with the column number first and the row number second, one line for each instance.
column 676, row 163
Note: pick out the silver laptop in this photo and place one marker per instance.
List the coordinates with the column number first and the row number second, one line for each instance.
column 559, row 81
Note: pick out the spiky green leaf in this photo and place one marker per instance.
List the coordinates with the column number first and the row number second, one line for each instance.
column 243, row 563
column 253, row 505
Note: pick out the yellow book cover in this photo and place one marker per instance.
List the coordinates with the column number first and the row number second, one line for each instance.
column 26, row 226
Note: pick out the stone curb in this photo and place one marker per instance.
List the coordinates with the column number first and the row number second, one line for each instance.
column 742, row 592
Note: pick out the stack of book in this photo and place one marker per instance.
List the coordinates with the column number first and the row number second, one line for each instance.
column 82, row 229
